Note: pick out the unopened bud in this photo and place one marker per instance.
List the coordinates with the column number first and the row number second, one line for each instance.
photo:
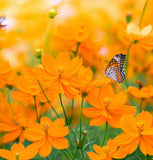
column 52, row 13
column 38, row 53
column 128, row 18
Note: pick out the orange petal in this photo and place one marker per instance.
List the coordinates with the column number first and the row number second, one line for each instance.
column 5, row 67
column 63, row 60
column 92, row 97
column 131, row 147
column 8, row 127
column 145, row 147
column 11, row 136
column 123, row 139
column 97, row 121
column 48, row 63
column 45, row 149
column 59, row 132
column 114, row 121
column 119, row 98
column 106, row 91
column 74, row 66
column 34, row 134
column 127, row 123
column 94, row 156
column 98, row 149
column 17, row 148
column 21, row 96
column 30, row 152
column 92, row 112
column 119, row 154
column 146, row 117
column 5, row 154
column 46, row 119
column 59, row 143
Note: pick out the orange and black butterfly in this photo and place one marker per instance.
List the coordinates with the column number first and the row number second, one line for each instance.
column 2, row 26
column 115, row 68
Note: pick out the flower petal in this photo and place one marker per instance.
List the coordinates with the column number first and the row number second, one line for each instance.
column 45, row 149
column 98, row 121
column 59, row 143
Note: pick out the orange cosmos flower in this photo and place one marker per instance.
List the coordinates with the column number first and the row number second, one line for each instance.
column 27, row 89
column 144, row 92
column 7, row 75
column 141, row 37
column 106, row 152
column 48, row 134
column 137, row 131
column 18, row 151
column 60, row 74
column 86, row 74
column 12, row 130
column 108, row 106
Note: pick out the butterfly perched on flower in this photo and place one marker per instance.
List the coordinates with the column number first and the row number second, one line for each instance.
column 115, row 68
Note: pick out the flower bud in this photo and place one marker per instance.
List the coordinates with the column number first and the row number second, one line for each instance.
column 52, row 13
column 38, row 53
column 128, row 18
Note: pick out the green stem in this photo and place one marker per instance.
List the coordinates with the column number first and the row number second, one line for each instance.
column 77, row 48
column 17, row 156
column 48, row 99
column 81, row 120
column 36, row 109
column 48, row 37
column 64, row 152
column 102, row 143
column 3, row 145
column 66, row 120
column 82, row 153
column 146, row 157
column 72, row 111
column 144, row 8
column 127, row 63
column 75, row 153
column 142, row 100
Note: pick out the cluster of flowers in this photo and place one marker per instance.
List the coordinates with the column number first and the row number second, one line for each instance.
column 33, row 100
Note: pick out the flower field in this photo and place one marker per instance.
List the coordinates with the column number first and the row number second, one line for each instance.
column 76, row 80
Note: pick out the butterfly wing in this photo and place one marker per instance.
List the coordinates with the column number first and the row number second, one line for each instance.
column 115, row 68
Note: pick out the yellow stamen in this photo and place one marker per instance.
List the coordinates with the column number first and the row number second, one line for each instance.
column 106, row 150
column 140, row 126
column 107, row 101
column 45, row 127
column 60, row 71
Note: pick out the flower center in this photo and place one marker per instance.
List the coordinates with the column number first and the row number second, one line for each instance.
column 106, row 150
column 107, row 101
column 140, row 126
column 34, row 88
column 60, row 71
column 45, row 127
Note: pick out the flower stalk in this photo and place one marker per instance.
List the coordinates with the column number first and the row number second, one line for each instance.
column 66, row 119
column 144, row 8
column 38, row 119
column 102, row 143
column 77, row 48
column 48, row 99
column 81, row 121
column 72, row 111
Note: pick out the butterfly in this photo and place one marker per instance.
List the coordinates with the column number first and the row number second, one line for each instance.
column 2, row 26
column 115, row 68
